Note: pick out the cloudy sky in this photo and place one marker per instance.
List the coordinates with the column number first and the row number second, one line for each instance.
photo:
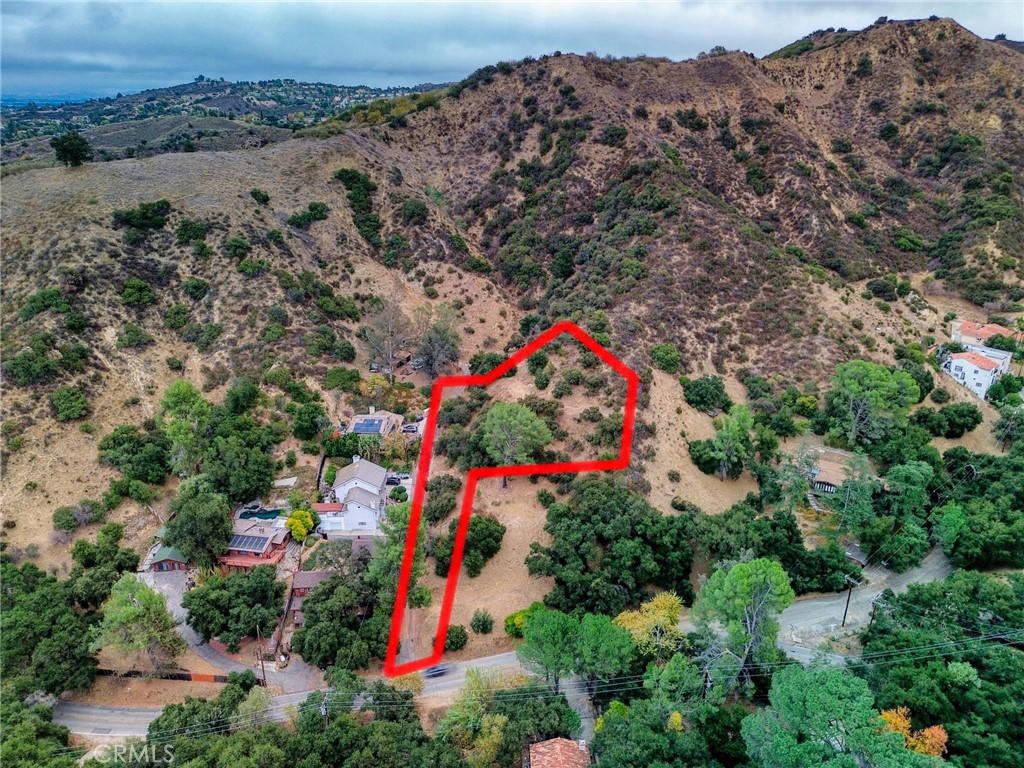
column 90, row 47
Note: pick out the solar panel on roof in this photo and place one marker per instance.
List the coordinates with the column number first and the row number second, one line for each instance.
column 251, row 543
column 368, row 426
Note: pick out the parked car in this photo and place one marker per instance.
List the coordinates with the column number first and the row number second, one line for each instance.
column 410, row 429
column 392, row 480
column 418, row 363
column 440, row 669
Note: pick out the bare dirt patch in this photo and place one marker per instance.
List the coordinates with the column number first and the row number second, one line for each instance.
column 504, row 585
column 143, row 692
column 671, row 415
column 433, row 708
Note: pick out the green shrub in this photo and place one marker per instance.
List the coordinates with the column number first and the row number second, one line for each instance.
column 275, row 236
column 259, row 196
column 414, row 212
column 842, row 145
column 482, row 622
column 195, row 288
column 889, row 131
column 516, row 622
column 190, row 231
column 69, row 403
column 706, row 393
column 456, row 638
column 253, row 267
column 666, row 357
column 174, row 364
column 176, row 317
column 864, row 66
column 613, row 136
column 757, row 178
column 940, row 395
column 137, row 293
column 40, row 301
column 690, row 119
column 561, row 389
column 64, row 519
column 273, row 332
column 236, row 247
column 75, row 322
column 146, row 216
column 345, row 379
column 133, row 336
column 314, row 212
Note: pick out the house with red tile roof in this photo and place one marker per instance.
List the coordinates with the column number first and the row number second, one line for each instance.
column 969, row 332
column 559, row 753
column 977, row 369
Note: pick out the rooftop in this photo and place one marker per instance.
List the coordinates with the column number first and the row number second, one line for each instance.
column 309, row 579
column 169, row 553
column 367, row 471
column 376, row 423
column 559, row 753
column 987, row 330
column 977, row 359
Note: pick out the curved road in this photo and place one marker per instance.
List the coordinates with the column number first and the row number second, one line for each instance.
column 804, row 627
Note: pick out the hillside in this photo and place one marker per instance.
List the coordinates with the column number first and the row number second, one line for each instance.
column 728, row 206
column 206, row 114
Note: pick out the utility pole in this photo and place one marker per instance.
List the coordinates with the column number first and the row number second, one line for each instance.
column 323, row 710
column 259, row 651
column 849, row 593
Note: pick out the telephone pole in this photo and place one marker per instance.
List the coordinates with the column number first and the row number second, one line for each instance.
column 849, row 593
column 259, row 652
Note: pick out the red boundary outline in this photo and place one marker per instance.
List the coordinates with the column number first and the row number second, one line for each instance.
column 391, row 669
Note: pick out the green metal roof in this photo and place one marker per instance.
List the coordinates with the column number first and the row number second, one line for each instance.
column 169, row 553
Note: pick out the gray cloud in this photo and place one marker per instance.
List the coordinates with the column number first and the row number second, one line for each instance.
column 91, row 47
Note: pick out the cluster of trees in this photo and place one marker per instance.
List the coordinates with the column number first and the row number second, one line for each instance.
column 475, row 433
column 969, row 685
column 490, row 723
column 46, row 622
column 667, row 698
column 494, row 716
column 349, row 615
column 483, row 540
column 223, row 451
column 981, row 524
column 233, row 607
column 608, row 546
column 192, row 437
column 389, row 335
column 745, row 528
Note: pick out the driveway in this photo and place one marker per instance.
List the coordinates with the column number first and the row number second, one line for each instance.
column 297, row 676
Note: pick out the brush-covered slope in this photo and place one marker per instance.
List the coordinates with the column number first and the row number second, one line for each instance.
column 724, row 205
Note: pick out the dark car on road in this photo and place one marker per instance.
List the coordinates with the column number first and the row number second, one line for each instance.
column 440, row 669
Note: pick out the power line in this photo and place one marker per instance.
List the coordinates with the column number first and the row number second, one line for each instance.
column 624, row 683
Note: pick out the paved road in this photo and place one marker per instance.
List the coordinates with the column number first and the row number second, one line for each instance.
column 804, row 626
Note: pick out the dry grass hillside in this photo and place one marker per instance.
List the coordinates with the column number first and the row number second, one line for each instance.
column 736, row 208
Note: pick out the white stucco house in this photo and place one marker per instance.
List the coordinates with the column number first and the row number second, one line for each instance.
column 977, row 370
column 356, row 502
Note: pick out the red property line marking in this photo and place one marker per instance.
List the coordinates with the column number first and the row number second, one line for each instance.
column 391, row 669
